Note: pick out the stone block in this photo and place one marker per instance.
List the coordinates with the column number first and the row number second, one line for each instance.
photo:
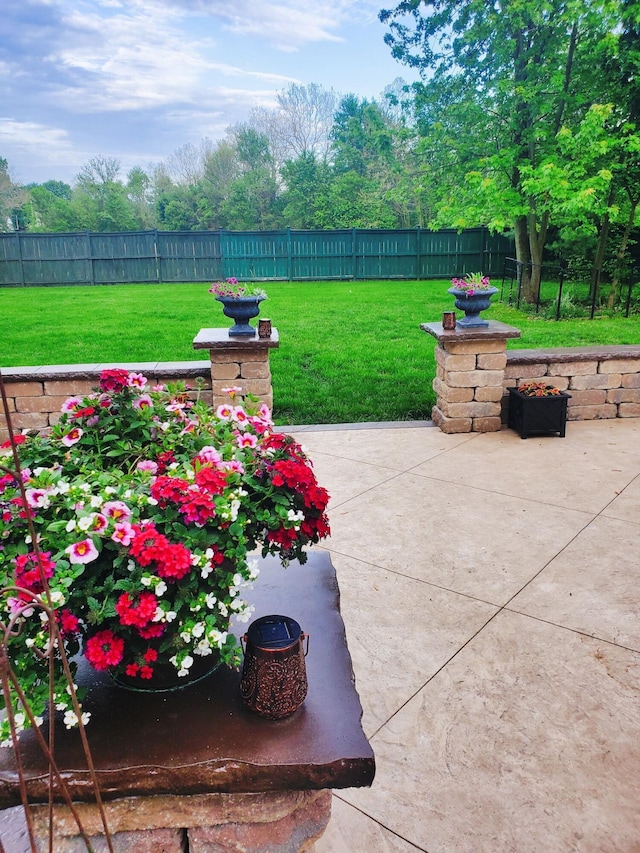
column 592, row 413
column 225, row 370
column 24, row 389
column 11, row 404
column 630, row 380
column 491, row 360
column 29, row 420
column 473, row 378
column 475, row 346
column 452, row 395
column 629, row 410
column 147, row 841
column 469, row 410
column 296, row 831
column 598, row 380
column 69, row 387
column 574, row 368
column 623, row 395
column 525, row 371
column 450, row 425
column 255, row 370
column 466, row 361
column 239, row 354
column 488, row 394
column 37, row 404
column 620, row 365
column 493, row 424
column 595, row 397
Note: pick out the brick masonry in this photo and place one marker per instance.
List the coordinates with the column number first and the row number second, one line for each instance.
column 603, row 381
column 35, row 394
column 474, row 371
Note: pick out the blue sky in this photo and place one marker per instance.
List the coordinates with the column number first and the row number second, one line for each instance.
column 138, row 79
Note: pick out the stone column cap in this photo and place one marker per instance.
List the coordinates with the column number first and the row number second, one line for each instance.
column 494, row 331
column 221, row 339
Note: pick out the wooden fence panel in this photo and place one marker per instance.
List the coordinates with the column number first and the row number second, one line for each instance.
column 184, row 256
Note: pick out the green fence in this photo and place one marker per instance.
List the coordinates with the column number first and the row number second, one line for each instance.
column 176, row 256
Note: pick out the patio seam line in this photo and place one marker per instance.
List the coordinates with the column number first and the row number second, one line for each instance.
column 572, row 630
column 506, row 494
column 384, row 826
column 412, row 578
column 501, row 608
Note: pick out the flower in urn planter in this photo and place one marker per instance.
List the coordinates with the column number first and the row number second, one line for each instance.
column 131, row 526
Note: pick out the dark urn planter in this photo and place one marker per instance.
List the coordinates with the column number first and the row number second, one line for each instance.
column 537, row 415
column 472, row 303
column 241, row 309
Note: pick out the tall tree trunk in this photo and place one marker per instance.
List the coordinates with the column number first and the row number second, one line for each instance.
column 523, row 254
column 601, row 248
column 622, row 251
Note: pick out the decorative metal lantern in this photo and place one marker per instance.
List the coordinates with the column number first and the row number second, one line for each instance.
column 274, row 677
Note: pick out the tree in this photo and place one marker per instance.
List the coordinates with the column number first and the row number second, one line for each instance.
column 100, row 199
column 12, row 197
column 520, row 71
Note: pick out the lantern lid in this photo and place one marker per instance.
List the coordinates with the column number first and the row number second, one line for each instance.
column 274, row 632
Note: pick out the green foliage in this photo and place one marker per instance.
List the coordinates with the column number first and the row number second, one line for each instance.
column 349, row 351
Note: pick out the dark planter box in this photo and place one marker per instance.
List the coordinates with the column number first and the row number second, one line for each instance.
column 537, row 415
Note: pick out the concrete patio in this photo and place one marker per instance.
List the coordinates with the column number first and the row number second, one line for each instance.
column 490, row 591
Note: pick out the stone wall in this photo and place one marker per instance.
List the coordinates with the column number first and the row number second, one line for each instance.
column 603, row 381
column 35, row 394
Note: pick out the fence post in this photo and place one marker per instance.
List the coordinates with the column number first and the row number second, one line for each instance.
column 289, row 259
column 158, row 259
column 354, row 253
column 20, row 258
column 418, row 251
column 88, row 257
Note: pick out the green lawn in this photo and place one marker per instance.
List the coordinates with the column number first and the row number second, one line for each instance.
column 349, row 351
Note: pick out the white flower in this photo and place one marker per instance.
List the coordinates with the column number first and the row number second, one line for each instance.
column 71, row 719
column 186, row 636
column 254, row 569
column 210, row 600
column 198, row 629
column 203, row 648
column 96, row 501
column 161, row 588
column 222, row 607
column 71, row 525
column 85, row 523
column 57, row 597
column 146, row 580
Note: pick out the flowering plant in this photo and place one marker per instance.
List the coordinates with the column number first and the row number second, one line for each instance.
column 472, row 282
column 129, row 529
column 233, row 289
column 539, row 389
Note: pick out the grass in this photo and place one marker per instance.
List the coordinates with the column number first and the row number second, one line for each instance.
column 349, row 351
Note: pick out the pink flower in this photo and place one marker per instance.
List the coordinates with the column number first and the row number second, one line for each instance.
column 82, row 552
column 123, row 533
column 209, row 454
column 233, row 391
column 71, row 437
column 246, row 439
column 98, row 522
column 116, row 510
column 233, row 465
column 224, row 412
column 239, row 415
column 37, row 498
column 71, row 404
column 136, row 380
column 147, row 465
column 142, row 402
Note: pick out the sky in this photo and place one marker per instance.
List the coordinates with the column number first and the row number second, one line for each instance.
column 138, row 79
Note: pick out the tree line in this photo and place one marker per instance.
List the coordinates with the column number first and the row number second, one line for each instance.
column 526, row 119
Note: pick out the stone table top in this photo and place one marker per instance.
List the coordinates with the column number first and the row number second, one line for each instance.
column 495, row 330
column 203, row 739
column 221, row 339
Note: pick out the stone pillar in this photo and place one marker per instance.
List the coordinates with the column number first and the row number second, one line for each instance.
column 240, row 361
column 470, row 367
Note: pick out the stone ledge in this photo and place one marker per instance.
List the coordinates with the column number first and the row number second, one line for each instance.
column 567, row 354
column 91, row 372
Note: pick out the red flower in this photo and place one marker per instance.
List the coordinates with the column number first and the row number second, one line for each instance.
column 17, row 439
column 27, row 571
column 137, row 613
column 68, row 622
column 104, row 649
column 114, row 380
